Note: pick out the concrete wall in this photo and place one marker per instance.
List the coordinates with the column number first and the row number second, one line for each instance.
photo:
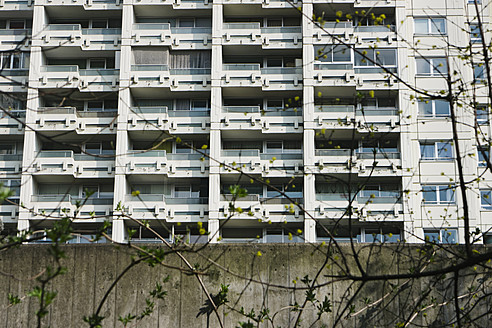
column 92, row 268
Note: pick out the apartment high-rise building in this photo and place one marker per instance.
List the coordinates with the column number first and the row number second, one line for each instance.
column 122, row 99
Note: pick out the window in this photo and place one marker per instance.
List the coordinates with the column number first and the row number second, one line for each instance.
column 440, row 150
column 383, row 57
column 100, row 148
column 430, row 25
column 187, row 191
column 334, row 54
column 7, row 148
column 439, row 195
column 475, row 33
column 487, row 239
column 432, row 66
column 486, row 199
column 385, row 235
column 479, row 73
column 283, row 146
column 189, row 146
column 96, row 63
column 291, row 190
column 430, row 108
column 279, row 235
column 377, row 146
column 14, row 60
column 101, row 105
column 386, row 190
column 193, row 104
column 441, row 236
column 482, row 114
column 483, row 156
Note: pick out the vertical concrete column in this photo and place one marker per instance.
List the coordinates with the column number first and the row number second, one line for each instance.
column 215, row 116
column 308, row 114
column 122, row 138
column 31, row 142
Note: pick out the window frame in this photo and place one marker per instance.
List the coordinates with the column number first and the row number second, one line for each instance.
column 375, row 60
column 438, row 191
column 430, row 25
column 434, row 70
column 433, row 107
column 436, row 150
column 479, row 73
column 481, row 160
column 482, row 114
column 475, row 36
column 486, row 202
column 442, row 239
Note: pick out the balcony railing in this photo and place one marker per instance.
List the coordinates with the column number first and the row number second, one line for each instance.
column 164, row 154
column 333, row 66
column 333, row 152
column 72, row 199
column 241, row 67
column 152, row 26
column 241, row 109
column 282, row 29
column 11, row 157
column 362, row 199
column 241, row 152
column 150, row 153
column 77, row 157
column 191, row 30
column 16, row 32
column 168, row 199
column 242, row 26
column 380, row 154
column 76, row 69
column 150, row 68
column 281, row 70
column 282, row 156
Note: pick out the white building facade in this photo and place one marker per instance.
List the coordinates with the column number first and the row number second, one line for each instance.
column 158, row 107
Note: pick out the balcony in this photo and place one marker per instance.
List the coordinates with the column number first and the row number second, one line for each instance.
column 161, row 118
column 163, row 34
column 332, row 114
column 268, row 164
column 87, row 4
column 86, row 38
column 10, row 5
column 86, row 80
column 65, row 162
column 265, row 3
column 268, row 37
column 181, row 79
column 70, row 119
column 268, row 78
column 365, row 207
column 158, row 206
column 13, row 123
column 361, row 163
column 14, row 80
column 254, row 206
column 367, row 119
column 16, row 36
column 171, row 164
column 254, row 118
column 177, row 4
column 11, row 163
column 323, row 34
column 61, row 205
